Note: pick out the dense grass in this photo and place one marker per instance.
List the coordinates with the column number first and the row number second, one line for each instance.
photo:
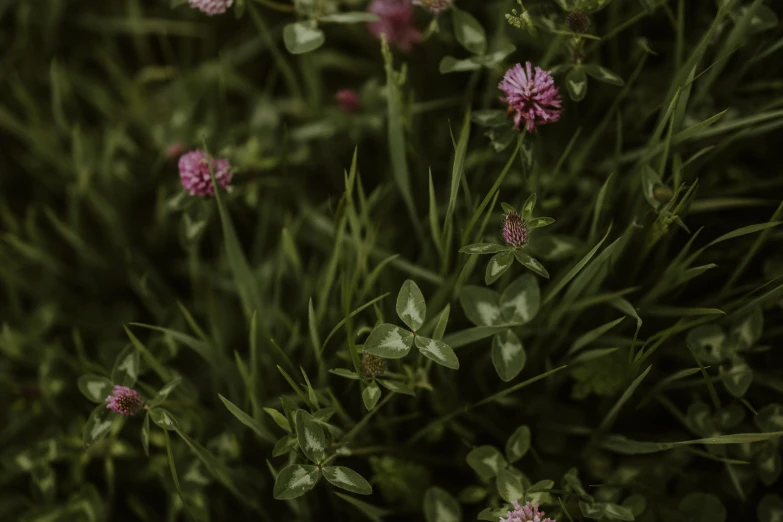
column 650, row 384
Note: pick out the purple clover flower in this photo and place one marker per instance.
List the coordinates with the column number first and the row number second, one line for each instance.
column 531, row 95
column 194, row 173
column 396, row 23
column 211, row 7
column 347, row 100
column 125, row 401
column 527, row 513
column 514, row 229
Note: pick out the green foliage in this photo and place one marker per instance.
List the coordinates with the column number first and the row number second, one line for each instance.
column 345, row 334
column 400, row 482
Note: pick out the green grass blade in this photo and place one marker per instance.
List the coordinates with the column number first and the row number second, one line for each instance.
column 558, row 287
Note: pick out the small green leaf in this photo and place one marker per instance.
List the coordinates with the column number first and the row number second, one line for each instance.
column 768, row 464
column 483, row 248
column 509, row 486
column 539, row 222
column 351, row 17
column 98, row 425
column 164, row 392
column 95, row 387
column 324, row 414
column 439, row 506
column 492, row 515
column 708, row 341
column 595, row 510
column 615, row 512
column 45, row 480
column 553, row 247
column 246, row 419
column 370, row 395
column 650, row 182
column 481, row 305
column 508, row 355
column 397, row 387
column 279, row 418
column 501, row 137
column 348, row 479
column 746, row 331
column 284, row 445
column 529, row 206
column 126, row 367
column 763, row 18
column 389, row 341
column 449, row 64
column 602, row 74
column 342, row 372
column 702, row 507
column 311, row 437
column 498, row 265
column 411, row 307
column 491, row 59
column 531, row 263
column 469, row 32
column 770, row 418
column 576, row 83
column 164, row 419
column 518, row 444
column 490, row 118
column 739, row 377
column 521, row 300
column 438, row 351
column 473, row 494
column 508, row 209
column 295, row 480
column 636, row 504
column 486, row 461
column 302, row 37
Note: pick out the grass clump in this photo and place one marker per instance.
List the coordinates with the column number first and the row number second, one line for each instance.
column 349, row 260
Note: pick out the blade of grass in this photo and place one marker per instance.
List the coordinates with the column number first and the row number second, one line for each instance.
column 245, row 282
column 457, row 173
column 558, row 287
column 599, row 203
column 248, row 421
column 433, row 215
column 396, row 136
column 492, row 191
column 750, row 253
column 750, row 229
column 349, row 316
column 710, row 386
column 612, row 414
column 625, row 446
column 495, row 396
